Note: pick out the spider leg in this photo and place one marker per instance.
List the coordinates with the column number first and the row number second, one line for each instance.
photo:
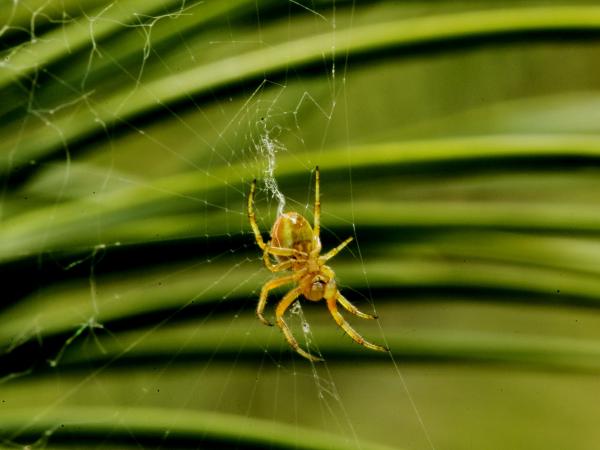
column 278, row 251
column 283, row 251
column 331, row 253
column 269, row 286
column 282, row 307
column 332, row 306
column 353, row 309
column 276, row 267
column 317, row 214
column 252, row 218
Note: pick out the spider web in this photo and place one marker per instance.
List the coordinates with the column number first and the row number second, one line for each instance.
column 82, row 131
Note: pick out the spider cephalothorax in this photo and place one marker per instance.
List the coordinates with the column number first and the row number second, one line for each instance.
column 296, row 246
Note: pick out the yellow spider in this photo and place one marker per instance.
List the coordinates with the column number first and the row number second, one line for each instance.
column 297, row 247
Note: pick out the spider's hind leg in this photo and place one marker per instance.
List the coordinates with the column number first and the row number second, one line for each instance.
column 252, row 217
column 317, row 213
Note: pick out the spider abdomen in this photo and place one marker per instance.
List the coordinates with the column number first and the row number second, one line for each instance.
column 292, row 230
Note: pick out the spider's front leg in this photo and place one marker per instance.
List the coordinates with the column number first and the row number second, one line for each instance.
column 332, row 295
column 264, row 292
column 332, row 306
column 353, row 309
column 269, row 286
column 282, row 307
column 334, row 292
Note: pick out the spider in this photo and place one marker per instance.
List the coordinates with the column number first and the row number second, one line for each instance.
column 297, row 247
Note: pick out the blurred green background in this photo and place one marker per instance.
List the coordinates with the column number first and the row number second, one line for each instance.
column 458, row 143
